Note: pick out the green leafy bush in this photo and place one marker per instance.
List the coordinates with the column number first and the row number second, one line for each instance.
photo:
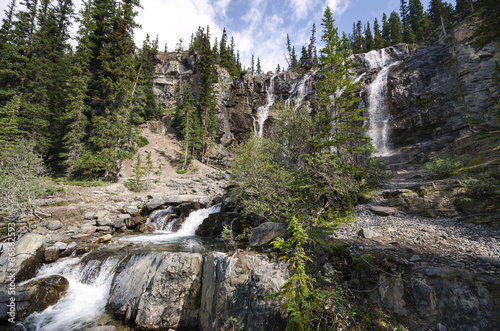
column 482, row 187
column 442, row 167
column 141, row 141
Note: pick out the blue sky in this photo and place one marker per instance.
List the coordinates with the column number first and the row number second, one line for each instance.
column 259, row 27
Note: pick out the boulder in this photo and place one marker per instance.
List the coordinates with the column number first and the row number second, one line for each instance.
column 119, row 223
column 33, row 296
column 53, row 225
column 368, row 234
column 89, row 215
column 133, row 222
column 24, row 257
column 69, row 249
column 265, row 233
column 145, row 228
column 105, row 221
column 184, row 209
column 87, row 229
column 52, row 253
column 158, row 290
column 235, row 287
column 383, row 211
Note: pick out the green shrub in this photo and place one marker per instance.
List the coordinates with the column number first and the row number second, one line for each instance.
column 482, row 187
column 141, row 141
column 442, row 167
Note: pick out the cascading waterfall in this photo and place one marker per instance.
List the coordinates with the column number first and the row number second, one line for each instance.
column 263, row 111
column 378, row 117
column 163, row 224
column 301, row 89
column 86, row 296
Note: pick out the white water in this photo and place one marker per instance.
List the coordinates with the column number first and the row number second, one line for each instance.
column 378, row 116
column 188, row 227
column 301, row 89
column 85, row 299
column 377, row 58
column 263, row 111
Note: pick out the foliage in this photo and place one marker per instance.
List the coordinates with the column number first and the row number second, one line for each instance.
column 485, row 186
column 21, row 179
column 444, row 166
column 488, row 29
column 142, row 173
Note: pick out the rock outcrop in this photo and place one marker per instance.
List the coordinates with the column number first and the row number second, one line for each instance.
column 158, row 290
column 234, row 291
column 28, row 255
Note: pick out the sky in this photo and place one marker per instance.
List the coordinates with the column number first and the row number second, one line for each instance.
column 259, row 27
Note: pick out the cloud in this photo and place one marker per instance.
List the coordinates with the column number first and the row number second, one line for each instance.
column 338, row 6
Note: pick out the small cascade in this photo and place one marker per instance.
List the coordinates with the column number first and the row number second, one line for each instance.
column 86, row 297
column 378, row 117
column 301, row 89
column 161, row 219
column 263, row 111
column 163, row 223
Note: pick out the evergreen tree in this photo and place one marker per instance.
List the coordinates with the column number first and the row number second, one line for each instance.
column 311, row 48
column 463, row 6
column 489, row 29
column 278, row 69
column 304, row 57
column 358, row 38
column 439, row 13
column 396, row 31
column 369, row 43
column 404, row 11
column 416, row 19
column 386, row 31
column 378, row 41
column 259, row 68
column 253, row 65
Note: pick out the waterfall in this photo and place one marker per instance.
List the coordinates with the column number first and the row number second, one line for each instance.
column 301, row 89
column 263, row 111
column 378, row 116
column 86, row 296
column 163, row 224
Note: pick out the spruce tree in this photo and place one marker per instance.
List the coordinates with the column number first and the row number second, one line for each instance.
column 259, row 68
column 386, row 31
column 396, row 31
column 369, row 42
column 404, row 11
column 416, row 19
column 377, row 39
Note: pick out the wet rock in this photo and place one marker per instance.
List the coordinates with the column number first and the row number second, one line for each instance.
column 32, row 297
column 101, row 328
column 53, row 225
column 133, row 222
column 235, row 287
column 158, row 290
column 52, row 253
column 119, row 223
column 265, row 233
column 145, row 228
column 69, row 249
column 29, row 253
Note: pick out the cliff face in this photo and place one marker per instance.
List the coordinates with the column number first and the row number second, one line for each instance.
column 433, row 95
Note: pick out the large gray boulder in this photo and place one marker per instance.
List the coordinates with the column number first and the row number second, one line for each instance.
column 265, row 233
column 158, row 290
column 20, row 264
column 236, row 287
column 31, row 297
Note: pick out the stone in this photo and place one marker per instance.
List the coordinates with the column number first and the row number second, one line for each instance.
column 89, row 215
column 101, row 328
column 415, row 258
column 29, row 253
column 105, row 221
column 103, row 239
column 118, row 223
column 158, row 290
column 53, row 225
column 131, row 210
column 101, row 214
column 69, row 249
column 34, row 296
column 236, row 287
column 81, row 235
column 265, row 233
column 103, row 228
column 124, row 217
column 383, row 211
column 368, row 234
column 52, row 253
column 145, row 228
column 87, row 229
column 133, row 222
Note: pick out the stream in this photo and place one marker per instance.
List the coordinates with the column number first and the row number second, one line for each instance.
column 90, row 275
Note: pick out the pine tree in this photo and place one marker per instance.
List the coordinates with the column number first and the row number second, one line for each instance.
column 396, row 31
column 377, row 39
column 358, row 38
column 404, row 11
column 369, row 43
column 259, row 68
column 386, row 31
column 489, row 29
column 311, row 48
column 253, row 65
column 416, row 19
column 439, row 13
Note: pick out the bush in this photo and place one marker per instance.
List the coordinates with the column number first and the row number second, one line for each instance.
column 442, row 167
column 482, row 187
column 141, row 141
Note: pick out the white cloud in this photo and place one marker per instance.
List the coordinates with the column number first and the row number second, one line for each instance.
column 173, row 20
column 338, row 6
column 301, row 7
